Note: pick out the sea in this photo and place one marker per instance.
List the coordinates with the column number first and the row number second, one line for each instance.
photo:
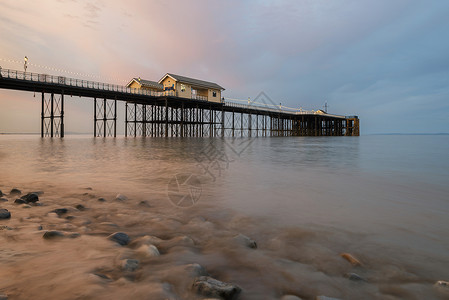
column 383, row 199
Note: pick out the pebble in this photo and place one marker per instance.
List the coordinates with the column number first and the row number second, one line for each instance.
column 4, row 213
column 354, row 277
column 52, row 234
column 441, row 283
column 121, row 197
column 245, row 241
column 326, row 298
column 101, row 200
column 80, row 207
column 195, row 270
column 210, row 287
column 290, row 297
column 4, row 227
column 120, row 238
column 349, row 257
column 148, row 251
column 60, row 211
column 26, row 206
column 3, row 200
column 1, row 194
column 15, row 192
column 30, row 198
column 130, row 265
column 20, row 201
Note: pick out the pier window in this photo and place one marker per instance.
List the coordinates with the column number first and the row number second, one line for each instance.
column 183, row 88
column 214, row 94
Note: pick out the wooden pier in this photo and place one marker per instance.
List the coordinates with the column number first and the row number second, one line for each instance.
column 163, row 114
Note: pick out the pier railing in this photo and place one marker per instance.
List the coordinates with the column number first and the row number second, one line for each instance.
column 87, row 84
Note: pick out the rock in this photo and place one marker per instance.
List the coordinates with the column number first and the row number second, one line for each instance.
column 26, row 206
column 40, row 227
column 4, row 227
column 3, row 200
column 148, row 251
column 101, row 200
column 73, row 235
column 60, row 211
column 349, row 257
column 326, row 298
column 1, row 194
column 3, row 297
column 245, row 241
column 103, row 276
column 354, row 277
column 30, row 198
column 120, row 238
column 290, row 297
column 443, row 284
column 130, row 265
column 51, row 234
column 80, row 207
column 210, row 287
column 20, row 201
column 4, row 213
column 195, row 270
column 15, row 192
column 121, row 197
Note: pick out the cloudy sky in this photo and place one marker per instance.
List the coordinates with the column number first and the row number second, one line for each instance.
column 385, row 61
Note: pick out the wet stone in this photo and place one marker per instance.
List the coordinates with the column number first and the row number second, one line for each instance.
column 1, row 194
column 15, row 192
column 20, row 201
column 3, row 200
column 30, row 198
column 210, row 287
column 195, row 270
column 245, row 241
column 130, row 265
column 290, row 297
column 80, row 207
column 354, row 277
column 121, row 197
column 101, row 200
column 4, row 227
column 60, row 211
column 326, row 298
column 443, row 284
column 3, row 297
column 51, row 234
column 120, row 237
column 4, row 213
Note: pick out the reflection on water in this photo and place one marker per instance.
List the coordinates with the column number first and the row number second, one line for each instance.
column 305, row 200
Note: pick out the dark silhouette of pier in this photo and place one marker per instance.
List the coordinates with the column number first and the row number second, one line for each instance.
column 164, row 114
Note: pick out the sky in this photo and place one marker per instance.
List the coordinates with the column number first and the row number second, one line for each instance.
column 385, row 61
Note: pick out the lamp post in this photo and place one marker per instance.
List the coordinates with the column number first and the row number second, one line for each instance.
column 25, row 63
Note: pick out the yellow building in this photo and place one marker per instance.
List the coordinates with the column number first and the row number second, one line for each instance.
column 138, row 83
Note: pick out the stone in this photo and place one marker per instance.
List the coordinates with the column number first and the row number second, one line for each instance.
column 73, row 235
column 326, row 298
column 20, row 201
column 51, row 234
column 30, row 198
column 3, row 200
column 101, row 200
column 354, row 277
column 4, row 227
column 195, row 270
column 245, row 241
column 80, row 207
column 40, row 227
column 121, row 197
column 120, row 237
column 3, row 297
column 4, row 213
column 350, row 258
column 210, row 287
column 60, row 211
column 148, row 251
column 290, row 297
column 443, row 284
column 26, row 206
column 130, row 265
column 1, row 194
column 15, row 192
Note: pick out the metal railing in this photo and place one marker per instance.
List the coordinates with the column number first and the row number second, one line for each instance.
column 67, row 81
column 86, row 84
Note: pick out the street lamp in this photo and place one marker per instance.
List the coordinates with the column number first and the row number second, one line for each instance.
column 25, row 64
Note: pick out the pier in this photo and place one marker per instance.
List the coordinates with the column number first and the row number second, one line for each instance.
column 165, row 114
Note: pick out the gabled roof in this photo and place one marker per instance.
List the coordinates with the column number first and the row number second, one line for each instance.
column 192, row 81
column 146, row 83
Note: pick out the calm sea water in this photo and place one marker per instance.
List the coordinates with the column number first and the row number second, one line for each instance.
column 388, row 195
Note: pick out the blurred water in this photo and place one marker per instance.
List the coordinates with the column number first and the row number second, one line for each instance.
column 391, row 190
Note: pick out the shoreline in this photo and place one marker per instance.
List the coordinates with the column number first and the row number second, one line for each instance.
column 169, row 249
